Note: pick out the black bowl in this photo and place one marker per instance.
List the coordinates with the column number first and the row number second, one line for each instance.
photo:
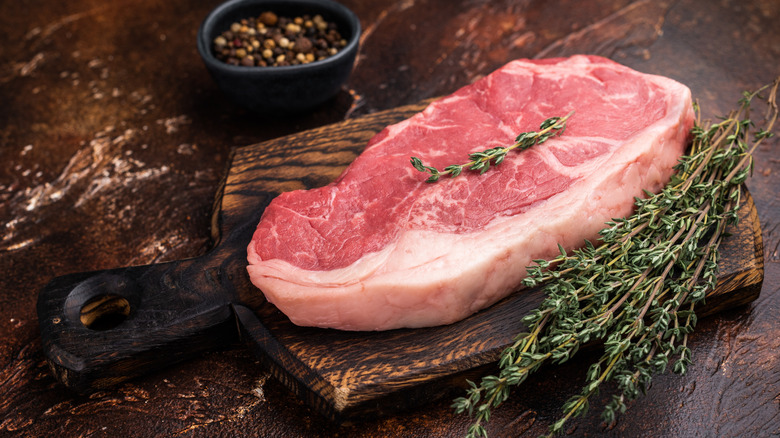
column 282, row 89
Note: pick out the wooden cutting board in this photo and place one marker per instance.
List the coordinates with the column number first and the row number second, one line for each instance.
column 101, row 328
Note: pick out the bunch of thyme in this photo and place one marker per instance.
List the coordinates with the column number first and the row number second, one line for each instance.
column 481, row 161
column 636, row 292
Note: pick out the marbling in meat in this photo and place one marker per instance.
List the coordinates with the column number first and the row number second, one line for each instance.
column 379, row 248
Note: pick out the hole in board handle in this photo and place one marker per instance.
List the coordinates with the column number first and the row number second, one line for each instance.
column 102, row 302
column 104, row 312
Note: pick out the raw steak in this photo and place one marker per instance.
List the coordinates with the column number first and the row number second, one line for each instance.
column 380, row 249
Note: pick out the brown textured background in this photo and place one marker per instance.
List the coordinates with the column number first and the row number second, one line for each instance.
column 113, row 140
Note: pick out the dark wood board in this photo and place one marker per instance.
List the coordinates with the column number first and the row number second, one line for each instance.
column 162, row 314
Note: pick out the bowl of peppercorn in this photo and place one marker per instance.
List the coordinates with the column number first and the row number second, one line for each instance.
column 279, row 56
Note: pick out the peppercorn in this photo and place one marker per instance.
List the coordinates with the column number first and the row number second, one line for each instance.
column 303, row 45
column 320, row 23
column 268, row 18
column 284, row 41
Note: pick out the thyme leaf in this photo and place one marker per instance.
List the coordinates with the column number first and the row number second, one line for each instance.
column 481, row 161
column 636, row 291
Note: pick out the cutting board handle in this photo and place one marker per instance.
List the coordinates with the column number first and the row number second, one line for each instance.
column 100, row 328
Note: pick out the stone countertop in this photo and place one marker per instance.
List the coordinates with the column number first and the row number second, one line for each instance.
column 113, row 140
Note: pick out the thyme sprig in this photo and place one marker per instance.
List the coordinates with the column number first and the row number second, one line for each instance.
column 637, row 291
column 481, row 161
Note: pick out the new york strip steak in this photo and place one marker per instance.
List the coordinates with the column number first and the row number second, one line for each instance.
column 379, row 248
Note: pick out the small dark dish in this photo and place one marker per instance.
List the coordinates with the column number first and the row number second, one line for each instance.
column 285, row 89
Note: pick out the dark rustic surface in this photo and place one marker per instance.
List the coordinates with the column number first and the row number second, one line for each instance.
column 113, row 140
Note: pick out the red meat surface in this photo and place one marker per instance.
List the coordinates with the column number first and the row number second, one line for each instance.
column 380, row 248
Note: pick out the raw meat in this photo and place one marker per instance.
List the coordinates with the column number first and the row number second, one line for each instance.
column 380, row 249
